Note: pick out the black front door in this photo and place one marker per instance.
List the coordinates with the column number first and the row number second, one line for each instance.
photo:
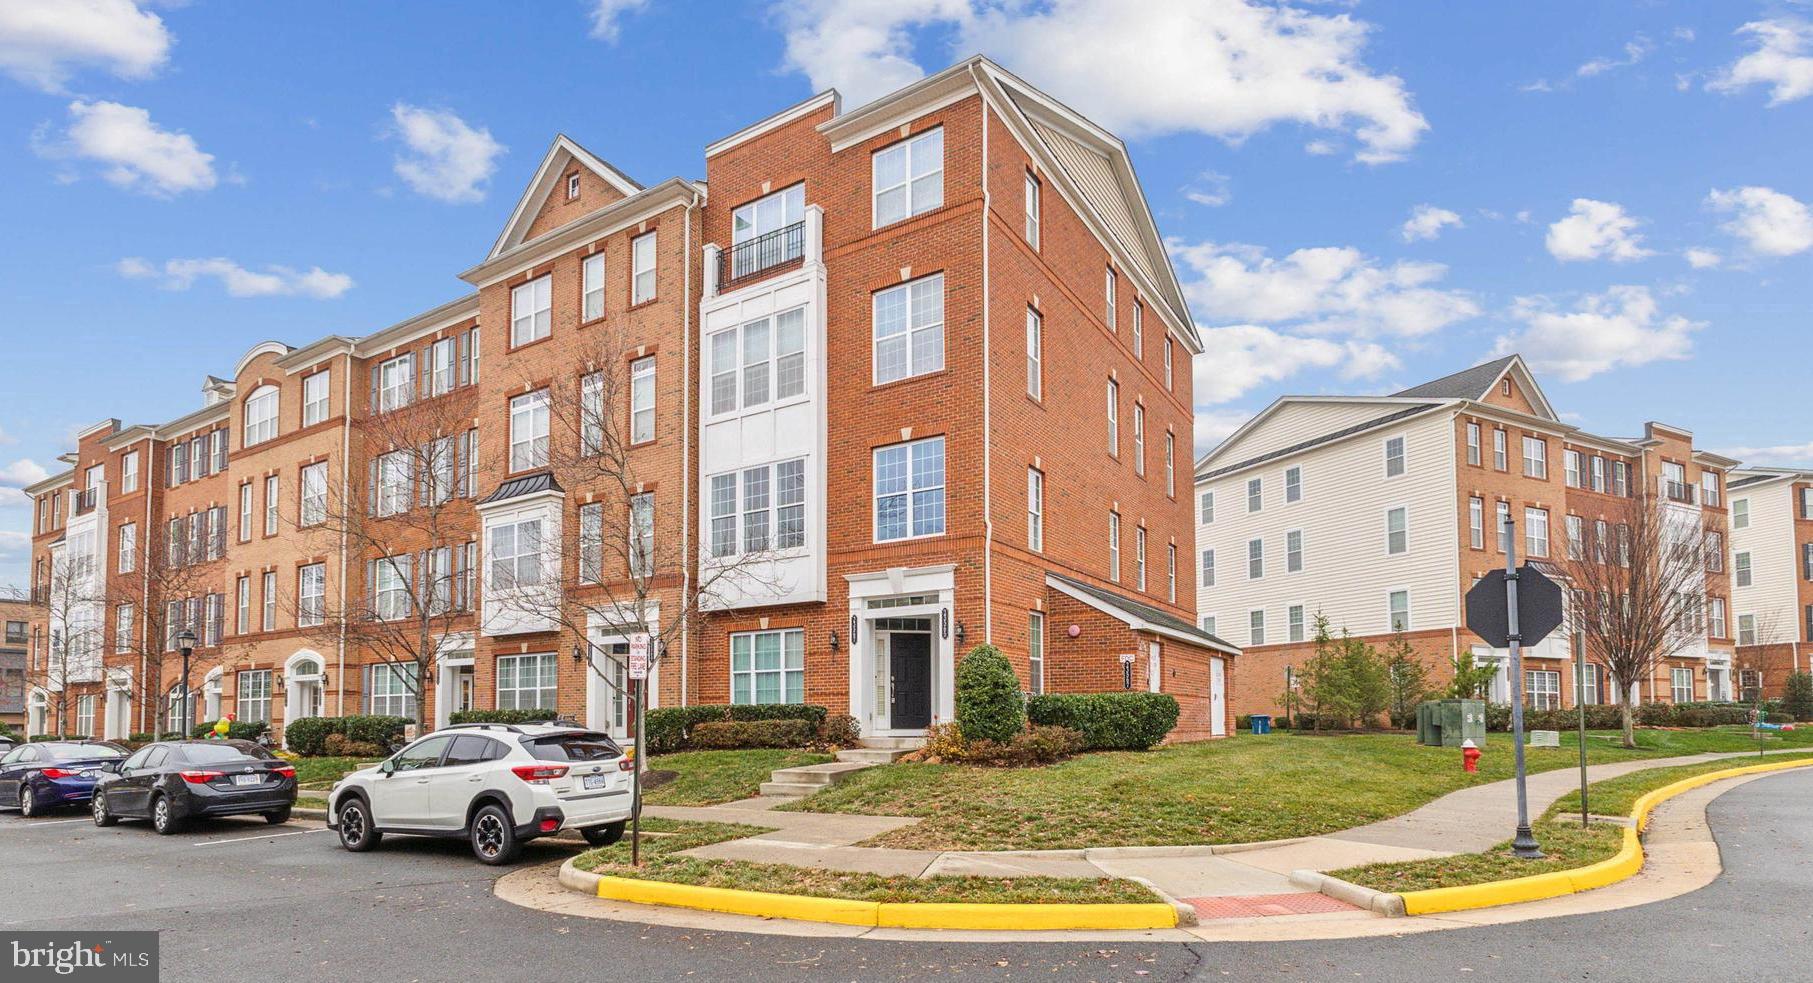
column 910, row 663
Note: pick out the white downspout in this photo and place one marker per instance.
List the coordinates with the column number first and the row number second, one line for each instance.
column 988, row 523
column 346, row 440
column 686, row 464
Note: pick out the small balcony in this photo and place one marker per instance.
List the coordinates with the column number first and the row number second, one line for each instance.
column 85, row 500
column 784, row 248
column 1677, row 491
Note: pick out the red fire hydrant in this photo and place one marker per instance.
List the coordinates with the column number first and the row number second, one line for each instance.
column 1469, row 756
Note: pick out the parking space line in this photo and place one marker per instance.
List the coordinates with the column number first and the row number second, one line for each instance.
column 55, row 822
column 266, row 836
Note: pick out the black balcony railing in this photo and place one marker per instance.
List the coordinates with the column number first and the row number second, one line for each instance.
column 85, row 500
column 1677, row 491
column 763, row 253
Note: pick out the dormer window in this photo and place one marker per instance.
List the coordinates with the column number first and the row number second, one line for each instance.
column 572, row 185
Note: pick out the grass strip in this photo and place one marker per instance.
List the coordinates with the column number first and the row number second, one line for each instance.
column 1617, row 796
column 704, row 778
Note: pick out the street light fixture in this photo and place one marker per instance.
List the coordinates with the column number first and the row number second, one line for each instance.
column 185, row 643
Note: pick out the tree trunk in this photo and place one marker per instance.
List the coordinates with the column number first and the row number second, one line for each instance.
column 421, row 699
column 1629, row 718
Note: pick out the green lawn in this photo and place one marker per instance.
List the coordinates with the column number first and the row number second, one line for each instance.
column 1241, row 790
column 1617, row 796
column 660, row 862
column 710, row 777
column 319, row 774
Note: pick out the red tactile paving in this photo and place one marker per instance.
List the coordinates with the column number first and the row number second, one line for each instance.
column 1263, row 905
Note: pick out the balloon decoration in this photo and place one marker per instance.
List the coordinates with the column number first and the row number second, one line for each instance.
column 223, row 725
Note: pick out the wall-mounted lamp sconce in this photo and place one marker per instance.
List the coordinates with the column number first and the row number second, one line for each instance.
column 833, row 639
column 960, row 632
column 1074, row 630
column 578, row 655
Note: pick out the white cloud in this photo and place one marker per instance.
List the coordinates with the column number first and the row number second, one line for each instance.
column 43, row 42
column 1214, row 426
column 606, row 13
column 1210, row 188
column 1635, row 50
column 1769, row 222
column 1775, row 455
column 15, row 556
column 447, row 158
column 1427, row 222
column 272, row 281
column 1596, row 230
column 1323, row 290
column 22, row 472
column 1622, row 327
column 1783, row 60
column 1702, row 259
column 134, row 153
column 1240, row 358
column 1228, row 68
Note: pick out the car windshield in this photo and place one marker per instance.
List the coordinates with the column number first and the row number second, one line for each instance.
column 572, row 746
column 58, row 751
column 214, row 754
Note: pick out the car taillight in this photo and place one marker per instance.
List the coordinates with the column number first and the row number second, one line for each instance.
column 283, row 771
column 550, row 825
column 199, row 777
column 539, row 774
column 59, row 773
column 626, row 764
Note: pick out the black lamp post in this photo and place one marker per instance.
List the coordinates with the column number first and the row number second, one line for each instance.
column 185, row 643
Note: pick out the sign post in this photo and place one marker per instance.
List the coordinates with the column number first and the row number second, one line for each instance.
column 1580, row 700
column 638, row 674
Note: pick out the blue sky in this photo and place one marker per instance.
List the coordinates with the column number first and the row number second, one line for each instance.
column 1358, row 196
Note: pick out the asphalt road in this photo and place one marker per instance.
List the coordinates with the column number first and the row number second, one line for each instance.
column 236, row 899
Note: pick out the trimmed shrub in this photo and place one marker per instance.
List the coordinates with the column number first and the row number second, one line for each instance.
column 669, row 729
column 840, row 730
column 502, row 716
column 1039, row 745
column 308, row 736
column 237, row 730
column 1797, row 696
column 142, row 737
column 1108, row 721
column 35, row 738
column 989, row 704
column 732, row 734
column 340, row 746
column 809, row 712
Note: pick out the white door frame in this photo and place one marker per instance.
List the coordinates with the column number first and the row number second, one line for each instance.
column 297, row 687
column 884, row 672
column 599, row 694
column 454, row 653
column 938, row 585
column 117, row 724
column 1218, row 697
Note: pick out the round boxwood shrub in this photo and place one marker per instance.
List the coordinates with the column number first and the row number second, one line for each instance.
column 989, row 705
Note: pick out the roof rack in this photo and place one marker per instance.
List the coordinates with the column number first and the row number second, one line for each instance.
column 512, row 728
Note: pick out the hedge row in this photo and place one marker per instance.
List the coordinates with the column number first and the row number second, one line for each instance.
column 732, row 734
column 502, row 716
column 1108, row 721
column 237, row 730
column 1611, row 716
column 670, row 729
column 308, row 736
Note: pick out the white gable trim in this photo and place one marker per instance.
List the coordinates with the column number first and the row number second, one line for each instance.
column 1528, row 381
column 562, row 149
column 1132, row 620
column 828, row 97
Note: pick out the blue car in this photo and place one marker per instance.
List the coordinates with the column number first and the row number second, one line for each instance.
column 38, row 777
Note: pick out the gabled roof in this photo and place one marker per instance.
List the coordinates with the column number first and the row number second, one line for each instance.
column 1758, row 475
column 553, row 164
column 1327, row 438
column 1137, row 615
column 1476, row 384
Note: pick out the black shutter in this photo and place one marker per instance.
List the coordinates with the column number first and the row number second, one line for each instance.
column 371, row 489
column 374, row 386
column 463, row 373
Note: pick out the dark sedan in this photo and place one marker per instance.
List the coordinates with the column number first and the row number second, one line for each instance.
column 172, row 782
column 47, row 774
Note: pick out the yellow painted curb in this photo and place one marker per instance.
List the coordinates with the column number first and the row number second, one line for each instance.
column 1625, row 863
column 873, row 914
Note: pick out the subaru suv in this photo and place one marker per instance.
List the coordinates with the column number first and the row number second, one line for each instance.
column 495, row 785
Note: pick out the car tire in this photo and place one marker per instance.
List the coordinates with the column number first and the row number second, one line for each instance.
column 28, row 802
column 492, row 836
column 163, row 816
column 604, row 835
column 102, row 817
column 357, row 832
column 278, row 817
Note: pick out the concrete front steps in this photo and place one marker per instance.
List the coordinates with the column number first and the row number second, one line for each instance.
column 808, row 779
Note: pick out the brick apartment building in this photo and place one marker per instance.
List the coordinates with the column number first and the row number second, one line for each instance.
column 1380, row 512
column 886, row 384
column 15, row 648
column 1772, row 575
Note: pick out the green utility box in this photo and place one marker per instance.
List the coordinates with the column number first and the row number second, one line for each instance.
column 1446, row 723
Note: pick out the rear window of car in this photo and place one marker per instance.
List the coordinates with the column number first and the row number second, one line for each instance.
column 68, row 752
column 572, row 746
column 210, row 754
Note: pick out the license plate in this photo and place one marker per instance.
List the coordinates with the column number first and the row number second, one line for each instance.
column 248, row 780
column 596, row 781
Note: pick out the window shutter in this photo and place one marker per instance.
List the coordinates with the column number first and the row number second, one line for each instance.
column 371, row 488
column 374, row 387
column 371, row 587
column 422, row 368
column 464, row 372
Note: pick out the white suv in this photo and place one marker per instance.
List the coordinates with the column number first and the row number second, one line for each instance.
column 497, row 785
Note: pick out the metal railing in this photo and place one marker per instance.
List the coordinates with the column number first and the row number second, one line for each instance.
column 763, row 253
column 1677, row 491
column 85, row 500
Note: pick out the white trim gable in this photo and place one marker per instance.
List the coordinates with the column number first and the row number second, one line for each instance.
column 1132, row 620
column 553, row 164
column 1525, row 379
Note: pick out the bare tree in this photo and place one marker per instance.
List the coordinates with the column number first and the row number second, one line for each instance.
column 1637, row 579
column 408, row 530
column 72, row 598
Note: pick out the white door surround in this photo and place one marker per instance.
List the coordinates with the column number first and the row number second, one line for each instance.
column 1218, row 697
column 879, row 603
column 607, row 703
column 117, row 724
column 304, row 686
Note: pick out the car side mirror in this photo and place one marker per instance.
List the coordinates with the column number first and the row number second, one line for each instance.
column 117, row 767
column 387, row 766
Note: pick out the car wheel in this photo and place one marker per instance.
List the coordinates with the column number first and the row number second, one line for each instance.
column 493, row 838
column 101, row 816
column 356, row 830
column 603, row 835
column 278, row 817
column 28, row 802
column 163, row 816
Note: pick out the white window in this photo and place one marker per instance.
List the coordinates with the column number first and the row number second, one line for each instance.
column 1476, row 523
column 388, row 689
column 1498, row 450
column 1170, row 464
column 1168, row 361
column 1032, row 215
column 909, row 329
column 1576, row 537
column 1110, row 286
column 443, row 364
column 395, row 481
column 1208, row 623
column 122, row 628
column 529, row 431
column 516, row 554
column 532, row 310
column 1535, row 457
column 311, row 595
column 527, row 682
column 1397, row 531
column 85, row 715
column 1139, row 438
column 1293, row 484
column 1398, row 610
column 768, row 667
column 242, row 605
column 765, row 216
column 390, row 592
column 1740, row 513
column 1139, row 329
column 1035, row 510
column 572, row 185
column 1207, row 508
column 261, row 415
column 642, row 399
column 314, row 399
column 1139, row 555
column 642, row 268
column 1255, row 494
column 1034, row 348
column 1171, row 571
column 1293, row 551
column 271, row 483
column 591, row 543
column 1681, row 685
column 642, row 535
column 1255, row 559
column 314, row 495
column 1598, row 473
column 1709, row 488
column 1504, row 527
column 772, row 513
column 1542, row 689
column 909, row 490
column 1294, row 629
column 1394, row 457
column 591, row 414
column 396, row 382
column 1114, row 547
column 128, row 472
column 1715, row 617
column 1255, row 627
column 1536, row 532
column 268, row 614
column 254, row 696
column 1208, row 568
column 1570, row 472
column 908, row 177
column 1746, row 629
column 245, row 511
column 591, row 275
column 1114, row 418
column 128, row 556
column 1620, row 479
column 744, row 358
column 1472, row 443
column 1741, row 569
column 1035, row 653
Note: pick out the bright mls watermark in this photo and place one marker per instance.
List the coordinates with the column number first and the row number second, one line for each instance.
column 125, row 957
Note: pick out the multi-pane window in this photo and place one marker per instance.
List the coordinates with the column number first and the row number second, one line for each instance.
column 85, row 715
column 179, row 467
column 1114, row 418
column 245, row 511
column 1681, row 685
column 1139, row 329
column 1536, row 532
column 1597, row 473
column 1168, row 379
column 532, row 310
column 395, row 472
column 314, row 495
column 1208, row 623
column 1576, row 533
column 768, row 666
column 909, row 490
column 516, row 554
column 1570, row 471
column 529, row 431
column 642, row 399
column 766, row 503
column 1397, row 530
column 1171, row 571
column 254, row 689
column 1035, row 653
column 1032, row 215
column 128, row 556
column 1035, row 510
column 396, row 381
column 1114, row 546
column 908, row 177
column 261, row 416
column 1255, row 494
column 591, row 543
column 572, row 185
column 443, row 366
column 642, row 534
column 122, row 628
column 390, row 590
column 1255, row 626
column 1294, row 626
column 1746, row 629
column 1293, row 551
column 314, row 399
column 1535, row 457
column 1715, row 617
column 1472, row 443
column 1293, row 484
column 268, row 613
column 1170, row 463
column 1035, row 340
column 592, row 418
column 909, row 329
column 1255, row 559
column 388, row 690
column 527, row 682
column 1740, row 564
column 1397, row 607
column 1740, row 513
column 271, row 484
column 760, row 361
column 764, row 216
column 311, row 595
column 1110, row 287
column 1139, row 555
column 1206, row 507
column 1709, row 488
column 1542, row 689
column 1208, row 568
column 1498, row 450
column 1476, row 523
column 1620, row 478
column 1139, row 438
column 242, row 605
column 591, row 275
column 128, row 472
column 1394, row 457
column 642, row 268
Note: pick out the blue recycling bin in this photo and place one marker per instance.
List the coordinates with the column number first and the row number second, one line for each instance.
column 1262, row 723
